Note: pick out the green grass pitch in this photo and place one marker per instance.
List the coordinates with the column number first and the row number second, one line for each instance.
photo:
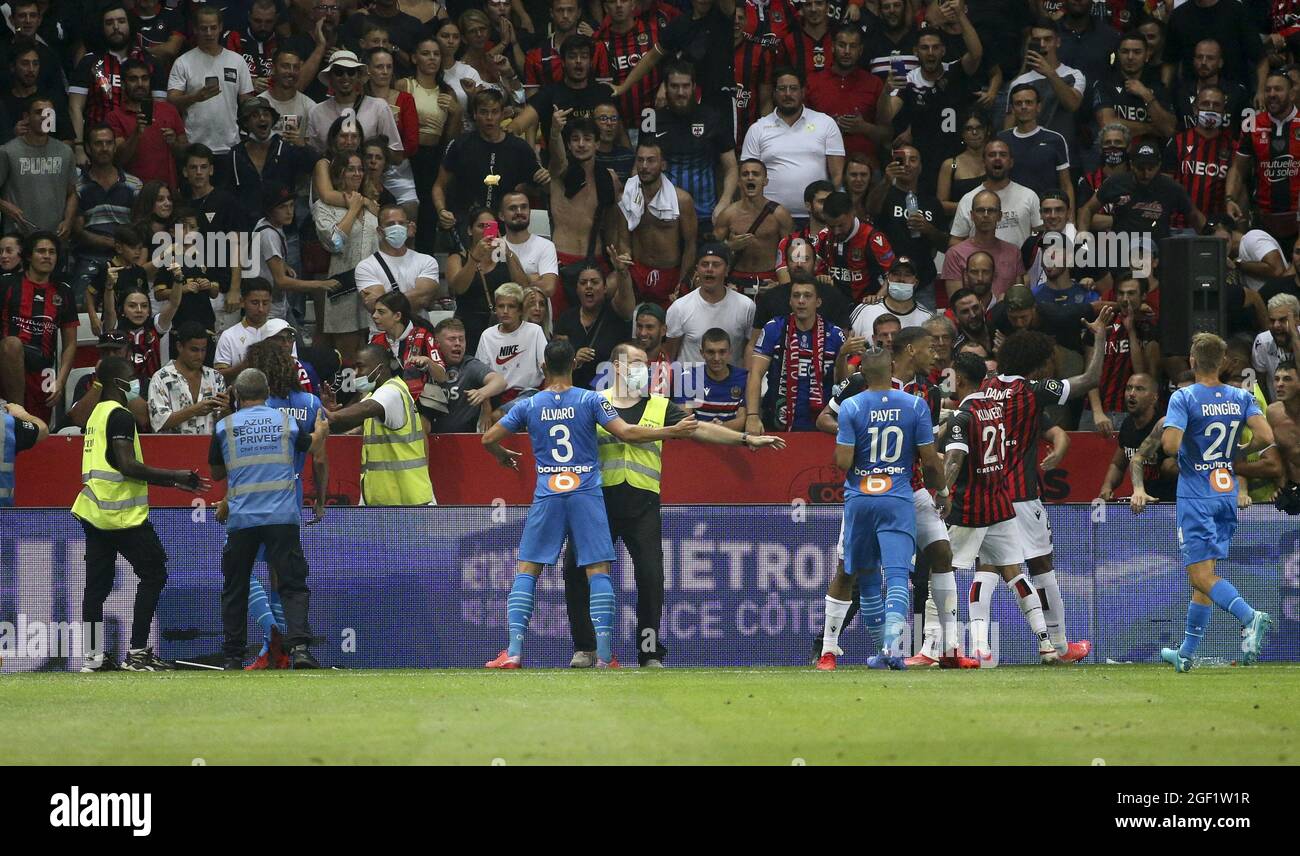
column 1034, row 715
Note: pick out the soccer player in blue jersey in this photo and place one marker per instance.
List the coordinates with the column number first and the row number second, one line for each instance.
column 881, row 431
column 1201, row 426
column 276, row 361
column 561, row 422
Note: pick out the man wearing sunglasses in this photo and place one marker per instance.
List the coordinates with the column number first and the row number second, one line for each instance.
column 345, row 75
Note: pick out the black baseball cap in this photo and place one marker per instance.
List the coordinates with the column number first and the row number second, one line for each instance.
column 904, row 261
column 275, row 194
column 1146, row 155
column 719, row 249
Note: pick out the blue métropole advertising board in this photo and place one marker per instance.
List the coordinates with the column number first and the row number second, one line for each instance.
column 426, row 588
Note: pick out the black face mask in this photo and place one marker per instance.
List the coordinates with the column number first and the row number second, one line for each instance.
column 1114, row 155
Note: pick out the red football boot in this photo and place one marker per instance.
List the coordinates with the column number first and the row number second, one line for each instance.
column 504, row 661
column 1076, row 651
column 920, row 660
column 262, row 662
column 601, row 664
column 826, row 663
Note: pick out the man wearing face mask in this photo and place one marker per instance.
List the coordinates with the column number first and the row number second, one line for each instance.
column 1207, row 62
column 394, row 456
column 113, row 508
column 1115, row 139
column 899, row 300
column 630, row 479
column 397, row 266
column 1199, row 157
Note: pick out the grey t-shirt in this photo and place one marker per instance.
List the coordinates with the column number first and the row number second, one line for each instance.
column 37, row 179
column 452, row 413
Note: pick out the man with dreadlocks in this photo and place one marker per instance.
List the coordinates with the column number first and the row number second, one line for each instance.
column 281, row 370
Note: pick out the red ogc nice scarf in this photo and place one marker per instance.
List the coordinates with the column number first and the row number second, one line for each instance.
column 816, row 395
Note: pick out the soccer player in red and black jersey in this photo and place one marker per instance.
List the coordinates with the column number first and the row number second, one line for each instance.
column 37, row 317
column 1130, row 349
column 543, row 64
column 856, row 256
column 1199, row 158
column 981, row 518
column 758, row 55
column 1270, row 140
column 1023, row 390
column 95, row 86
column 627, row 38
column 809, row 46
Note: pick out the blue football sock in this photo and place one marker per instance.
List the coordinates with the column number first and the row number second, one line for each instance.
column 898, row 602
column 1225, row 597
column 1198, row 618
column 519, row 611
column 872, row 606
column 601, row 606
column 277, row 609
column 259, row 608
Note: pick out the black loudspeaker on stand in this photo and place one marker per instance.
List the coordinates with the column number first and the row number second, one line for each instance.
column 1192, row 275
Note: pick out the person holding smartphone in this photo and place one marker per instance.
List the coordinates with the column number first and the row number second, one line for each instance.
column 150, row 134
column 208, row 83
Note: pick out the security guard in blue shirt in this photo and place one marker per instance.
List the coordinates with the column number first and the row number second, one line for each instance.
column 253, row 449
column 19, row 431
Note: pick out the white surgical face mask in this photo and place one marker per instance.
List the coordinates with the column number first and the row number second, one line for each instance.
column 395, row 235
column 364, row 383
column 638, row 378
column 1211, row 119
column 901, row 290
column 132, row 389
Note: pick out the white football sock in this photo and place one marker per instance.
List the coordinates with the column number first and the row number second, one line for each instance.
column 1049, row 592
column 943, row 594
column 932, row 638
column 981, row 606
column 1031, row 607
column 835, row 611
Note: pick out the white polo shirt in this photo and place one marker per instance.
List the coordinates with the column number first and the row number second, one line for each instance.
column 795, row 154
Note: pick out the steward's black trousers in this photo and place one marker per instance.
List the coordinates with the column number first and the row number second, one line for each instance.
column 288, row 567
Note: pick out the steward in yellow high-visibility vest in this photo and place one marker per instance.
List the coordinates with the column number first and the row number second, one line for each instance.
column 113, row 508
column 631, row 478
column 394, row 455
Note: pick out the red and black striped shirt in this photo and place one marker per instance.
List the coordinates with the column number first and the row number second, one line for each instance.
column 99, row 78
column 35, row 312
column 1202, row 168
column 921, row 387
column 417, row 341
column 624, row 51
column 981, row 496
column 756, row 58
column 807, row 54
column 1117, row 365
column 543, row 64
column 145, row 346
column 256, row 54
column 1274, row 145
column 1024, row 401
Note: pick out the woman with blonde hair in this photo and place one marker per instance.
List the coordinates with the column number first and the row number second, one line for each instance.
column 537, row 309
